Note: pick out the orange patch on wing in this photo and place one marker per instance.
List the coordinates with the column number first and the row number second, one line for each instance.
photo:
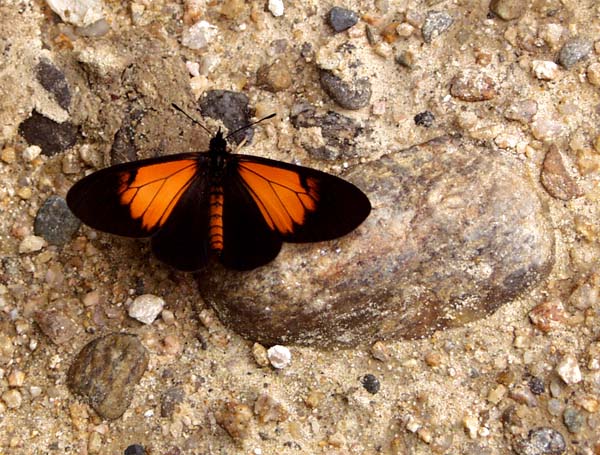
column 280, row 194
column 155, row 190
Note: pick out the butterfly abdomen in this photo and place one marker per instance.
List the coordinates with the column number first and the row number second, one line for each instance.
column 215, row 228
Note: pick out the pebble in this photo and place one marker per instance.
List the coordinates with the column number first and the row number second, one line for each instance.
column 276, row 7
column 508, row 9
column 235, row 418
column 135, row 449
column 471, row 424
column 276, row 77
column 55, row 325
column 406, row 59
column 54, row 222
column 405, row 30
column 31, row 153
column 548, row 315
column 260, row 355
column 497, row 394
column 370, row 383
column 51, row 136
column 170, row 399
column 208, row 63
column 146, row 308
column 380, row 351
column 568, row 370
column 267, row 409
column 279, row 356
column 193, row 68
column 544, row 70
column 574, row 51
column 198, row 35
column 78, row 12
column 555, row 407
column 557, row 178
column 16, row 378
column 593, row 74
column 12, row 398
column 522, row 111
column 8, row 155
column 31, row 244
column 232, row 108
column 573, row 419
column 436, row 23
column 424, row 119
column 105, row 372
column 341, row 19
column 352, row 95
column 588, row 403
column 542, row 441
column 546, row 129
column 95, row 30
column 473, row 86
column 536, row 385
column 7, row 348
column 523, row 395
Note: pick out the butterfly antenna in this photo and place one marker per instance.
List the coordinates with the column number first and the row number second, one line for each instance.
column 192, row 119
column 251, row 124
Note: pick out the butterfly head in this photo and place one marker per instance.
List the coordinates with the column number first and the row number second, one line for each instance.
column 218, row 144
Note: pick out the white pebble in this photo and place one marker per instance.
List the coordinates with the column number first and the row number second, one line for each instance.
column 193, row 68
column 276, row 7
column 31, row 152
column 568, row 370
column 78, row 12
column 146, row 308
column 544, row 69
column 279, row 356
column 198, row 35
column 31, row 243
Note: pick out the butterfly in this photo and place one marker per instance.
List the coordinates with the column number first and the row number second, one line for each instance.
column 237, row 208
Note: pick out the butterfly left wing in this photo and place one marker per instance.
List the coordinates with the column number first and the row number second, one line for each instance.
column 267, row 202
column 165, row 198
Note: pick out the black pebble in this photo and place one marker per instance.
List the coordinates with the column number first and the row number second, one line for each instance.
column 536, row 385
column 370, row 383
column 51, row 136
column 135, row 449
column 54, row 81
column 232, row 108
column 341, row 19
column 55, row 222
column 425, row 118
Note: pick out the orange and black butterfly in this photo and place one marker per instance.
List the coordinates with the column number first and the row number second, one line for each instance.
column 239, row 208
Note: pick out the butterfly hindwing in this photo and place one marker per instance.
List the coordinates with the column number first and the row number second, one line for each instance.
column 302, row 204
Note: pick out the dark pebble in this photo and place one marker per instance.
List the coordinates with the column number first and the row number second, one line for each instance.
column 370, row 383
column 169, row 400
column 124, row 148
column 436, row 23
column 573, row 419
column 339, row 132
column 105, row 372
column 574, row 51
column 341, row 19
column 55, row 222
column 54, row 81
column 556, row 178
column 542, row 441
column 352, row 95
column 135, row 449
column 425, row 119
column 536, row 385
column 232, row 108
column 51, row 136
column 55, row 325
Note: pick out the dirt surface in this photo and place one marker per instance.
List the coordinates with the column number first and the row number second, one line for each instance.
column 523, row 80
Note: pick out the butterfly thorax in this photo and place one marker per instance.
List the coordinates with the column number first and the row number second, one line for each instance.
column 217, row 153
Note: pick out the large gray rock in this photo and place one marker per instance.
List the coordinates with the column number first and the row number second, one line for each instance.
column 456, row 231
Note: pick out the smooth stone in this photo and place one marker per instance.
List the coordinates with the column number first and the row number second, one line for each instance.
column 456, row 231
column 351, row 94
column 106, row 371
column 55, row 222
column 232, row 108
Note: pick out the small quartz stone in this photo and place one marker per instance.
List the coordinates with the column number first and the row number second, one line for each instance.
column 260, row 354
column 279, row 356
column 12, row 398
column 31, row 153
column 436, row 23
column 276, row 7
column 146, row 308
column 508, row 9
column 568, row 370
column 31, row 244
column 544, row 69
column 198, row 35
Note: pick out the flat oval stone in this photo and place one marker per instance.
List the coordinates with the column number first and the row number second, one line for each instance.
column 456, row 231
column 105, row 372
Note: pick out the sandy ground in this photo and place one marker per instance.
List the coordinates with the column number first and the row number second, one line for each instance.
column 515, row 382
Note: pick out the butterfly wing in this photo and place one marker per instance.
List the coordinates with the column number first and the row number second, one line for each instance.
column 161, row 197
column 267, row 202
